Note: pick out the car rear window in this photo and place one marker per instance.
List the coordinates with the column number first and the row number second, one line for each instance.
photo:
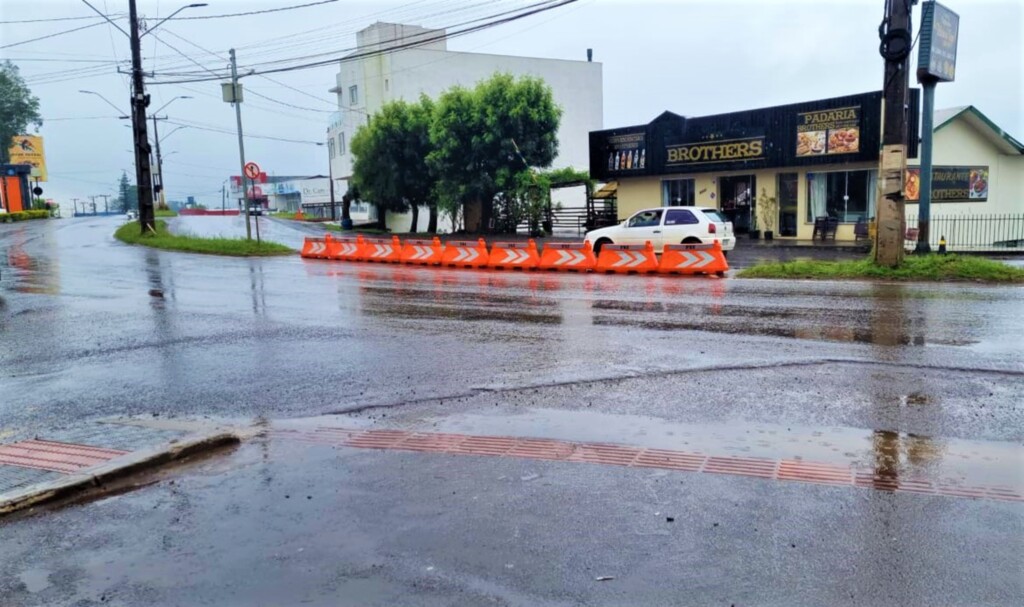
column 675, row 217
column 715, row 216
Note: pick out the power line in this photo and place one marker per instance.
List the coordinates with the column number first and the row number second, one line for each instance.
column 507, row 17
column 53, row 35
column 247, row 135
column 117, row 16
column 246, row 14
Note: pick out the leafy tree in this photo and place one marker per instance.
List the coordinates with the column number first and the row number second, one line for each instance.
column 391, row 159
column 18, row 108
column 484, row 138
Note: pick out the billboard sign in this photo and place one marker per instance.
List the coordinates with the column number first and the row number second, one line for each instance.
column 939, row 31
column 28, row 149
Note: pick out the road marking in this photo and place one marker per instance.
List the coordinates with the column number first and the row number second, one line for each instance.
column 785, row 470
column 54, row 456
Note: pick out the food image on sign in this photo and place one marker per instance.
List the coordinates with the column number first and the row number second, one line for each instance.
column 835, row 131
column 912, row 185
column 810, row 143
column 978, row 184
column 843, row 141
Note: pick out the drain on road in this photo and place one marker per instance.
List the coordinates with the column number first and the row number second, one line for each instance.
column 793, row 470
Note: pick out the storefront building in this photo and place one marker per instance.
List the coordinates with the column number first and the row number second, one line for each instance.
column 772, row 169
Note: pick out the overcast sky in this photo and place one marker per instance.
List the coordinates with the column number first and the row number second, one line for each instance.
column 693, row 57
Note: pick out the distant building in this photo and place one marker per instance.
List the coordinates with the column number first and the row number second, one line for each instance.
column 365, row 84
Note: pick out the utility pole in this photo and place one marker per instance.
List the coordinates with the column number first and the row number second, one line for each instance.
column 92, row 200
column 74, row 205
column 236, row 98
column 105, row 197
column 140, row 100
column 896, row 39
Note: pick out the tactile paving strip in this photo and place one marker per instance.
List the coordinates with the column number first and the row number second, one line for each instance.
column 641, row 457
column 54, row 456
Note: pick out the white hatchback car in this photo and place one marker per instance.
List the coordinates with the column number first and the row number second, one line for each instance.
column 668, row 225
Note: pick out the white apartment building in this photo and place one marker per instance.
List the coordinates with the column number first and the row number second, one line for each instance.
column 365, row 84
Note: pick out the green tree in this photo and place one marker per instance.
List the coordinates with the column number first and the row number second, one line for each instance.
column 18, row 108
column 390, row 166
column 127, row 194
column 484, row 138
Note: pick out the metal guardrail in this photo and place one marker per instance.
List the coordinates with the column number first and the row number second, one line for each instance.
column 975, row 233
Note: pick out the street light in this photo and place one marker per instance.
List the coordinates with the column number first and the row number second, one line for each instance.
column 109, row 102
column 160, row 22
column 173, row 99
column 184, row 126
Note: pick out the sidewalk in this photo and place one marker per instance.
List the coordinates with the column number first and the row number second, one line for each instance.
column 55, row 464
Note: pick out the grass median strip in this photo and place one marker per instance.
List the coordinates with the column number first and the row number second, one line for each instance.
column 939, row 268
column 238, row 247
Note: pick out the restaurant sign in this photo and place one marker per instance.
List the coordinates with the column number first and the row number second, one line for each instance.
column 705, row 152
column 939, row 30
column 627, row 153
column 950, row 184
column 833, row 131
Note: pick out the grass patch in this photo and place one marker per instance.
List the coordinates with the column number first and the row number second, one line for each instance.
column 285, row 215
column 165, row 213
column 162, row 239
column 915, row 267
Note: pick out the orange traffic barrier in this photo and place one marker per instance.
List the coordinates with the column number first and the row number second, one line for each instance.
column 465, row 254
column 693, row 259
column 314, row 248
column 627, row 258
column 568, row 256
column 514, row 256
column 387, row 250
column 346, row 248
column 299, row 215
column 423, row 252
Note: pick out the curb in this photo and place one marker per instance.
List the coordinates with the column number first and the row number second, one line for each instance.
column 124, row 465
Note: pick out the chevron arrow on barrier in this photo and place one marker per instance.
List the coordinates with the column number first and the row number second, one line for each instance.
column 347, row 248
column 466, row 254
column 697, row 260
column 569, row 258
column 421, row 252
column 318, row 248
column 383, row 250
column 514, row 256
column 628, row 259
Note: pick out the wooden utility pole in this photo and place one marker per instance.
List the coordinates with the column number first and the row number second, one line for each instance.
column 896, row 40
column 140, row 100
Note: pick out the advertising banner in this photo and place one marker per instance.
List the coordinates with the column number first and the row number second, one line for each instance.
column 950, row 184
column 28, row 149
column 828, row 132
column 627, row 152
column 939, row 31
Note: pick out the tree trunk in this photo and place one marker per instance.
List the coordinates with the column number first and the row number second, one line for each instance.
column 486, row 213
column 414, row 226
column 382, row 219
column 346, row 209
column 432, row 221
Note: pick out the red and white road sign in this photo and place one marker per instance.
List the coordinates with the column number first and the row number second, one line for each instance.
column 252, row 170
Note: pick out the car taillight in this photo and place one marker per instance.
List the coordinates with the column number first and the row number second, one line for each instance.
column 712, row 228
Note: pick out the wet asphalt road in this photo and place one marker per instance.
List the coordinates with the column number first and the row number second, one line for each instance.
column 918, row 381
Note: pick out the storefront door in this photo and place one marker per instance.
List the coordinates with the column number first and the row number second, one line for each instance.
column 737, row 195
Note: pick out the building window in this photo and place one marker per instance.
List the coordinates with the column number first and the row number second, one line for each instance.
column 353, row 95
column 341, row 144
column 387, row 84
column 845, row 195
column 330, row 147
column 678, row 193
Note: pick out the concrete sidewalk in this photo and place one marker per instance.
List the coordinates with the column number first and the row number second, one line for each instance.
column 59, row 463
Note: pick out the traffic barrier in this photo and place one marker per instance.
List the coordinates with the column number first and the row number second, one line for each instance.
column 345, row 249
column 314, row 248
column 568, row 256
column 465, row 254
column 693, row 259
column 423, row 252
column 627, row 259
column 514, row 256
column 385, row 250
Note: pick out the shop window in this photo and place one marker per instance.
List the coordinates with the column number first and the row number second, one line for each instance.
column 679, row 217
column 844, row 195
column 787, row 193
column 678, row 193
column 353, row 95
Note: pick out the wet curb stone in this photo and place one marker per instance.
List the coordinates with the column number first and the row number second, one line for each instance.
column 193, row 438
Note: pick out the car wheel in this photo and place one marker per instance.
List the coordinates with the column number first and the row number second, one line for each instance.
column 599, row 244
column 691, row 240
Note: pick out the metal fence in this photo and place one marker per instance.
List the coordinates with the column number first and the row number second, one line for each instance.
column 973, row 232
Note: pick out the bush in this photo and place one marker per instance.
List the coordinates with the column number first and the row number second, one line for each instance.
column 23, row 216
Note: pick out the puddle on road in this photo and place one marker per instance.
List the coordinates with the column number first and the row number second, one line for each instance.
column 35, row 580
column 891, row 453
